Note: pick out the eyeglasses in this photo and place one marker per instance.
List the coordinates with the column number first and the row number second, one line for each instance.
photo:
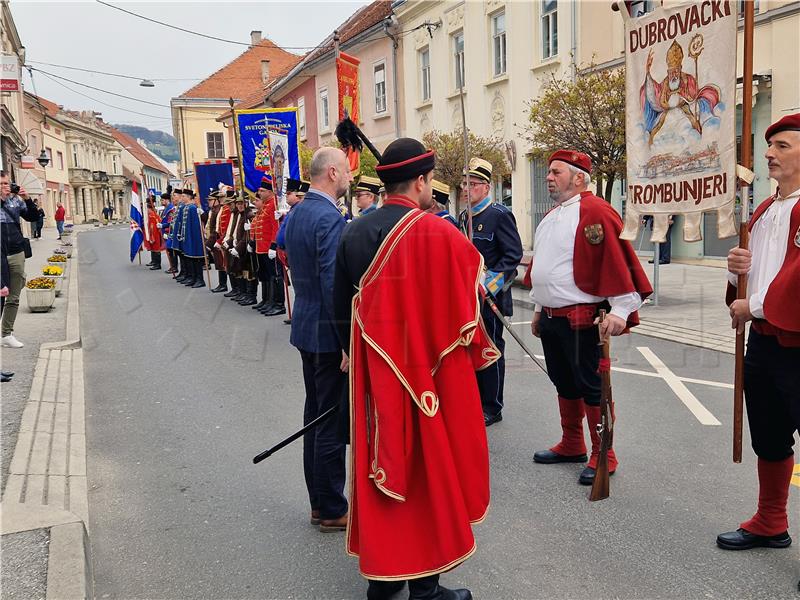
column 475, row 183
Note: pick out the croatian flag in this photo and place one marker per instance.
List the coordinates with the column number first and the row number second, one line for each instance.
column 137, row 221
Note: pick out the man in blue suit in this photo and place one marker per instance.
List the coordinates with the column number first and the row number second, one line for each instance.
column 312, row 236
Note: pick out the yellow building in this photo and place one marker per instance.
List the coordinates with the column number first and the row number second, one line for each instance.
column 199, row 135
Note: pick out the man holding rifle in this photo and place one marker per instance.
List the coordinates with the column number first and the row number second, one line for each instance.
column 580, row 266
column 771, row 374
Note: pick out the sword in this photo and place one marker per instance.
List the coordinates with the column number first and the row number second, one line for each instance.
column 297, row 434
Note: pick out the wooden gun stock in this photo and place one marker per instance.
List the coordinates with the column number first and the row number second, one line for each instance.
column 605, row 429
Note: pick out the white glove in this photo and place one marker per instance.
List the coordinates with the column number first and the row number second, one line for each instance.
column 279, row 214
column 251, row 247
column 225, row 244
column 247, row 226
column 272, row 254
column 234, row 252
column 217, row 246
column 159, row 225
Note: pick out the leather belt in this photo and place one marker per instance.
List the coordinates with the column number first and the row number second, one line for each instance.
column 565, row 310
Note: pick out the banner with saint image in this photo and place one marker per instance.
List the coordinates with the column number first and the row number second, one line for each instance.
column 257, row 128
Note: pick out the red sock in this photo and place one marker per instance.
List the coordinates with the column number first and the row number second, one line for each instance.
column 773, row 495
column 593, row 418
column 572, row 442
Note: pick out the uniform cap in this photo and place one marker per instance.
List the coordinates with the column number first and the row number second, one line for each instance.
column 441, row 192
column 482, row 169
column 405, row 159
column 368, row 184
column 577, row 159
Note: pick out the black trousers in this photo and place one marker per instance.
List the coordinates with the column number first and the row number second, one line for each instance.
column 323, row 450
column 492, row 379
column 270, row 270
column 572, row 358
column 772, row 395
column 155, row 258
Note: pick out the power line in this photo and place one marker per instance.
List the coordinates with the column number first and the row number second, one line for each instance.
column 38, row 62
column 91, row 87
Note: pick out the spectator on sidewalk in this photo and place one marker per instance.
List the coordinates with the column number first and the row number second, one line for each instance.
column 665, row 247
column 60, row 212
column 14, row 207
column 105, row 215
column 39, row 225
column 110, row 211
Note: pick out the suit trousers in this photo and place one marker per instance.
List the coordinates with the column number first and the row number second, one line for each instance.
column 491, row 380
column 572, row 357
column 323, row 450
column 772, row 394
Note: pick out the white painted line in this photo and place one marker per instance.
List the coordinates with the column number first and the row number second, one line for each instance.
column 691, row 402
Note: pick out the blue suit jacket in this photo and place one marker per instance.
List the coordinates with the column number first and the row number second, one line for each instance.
column 312, row 237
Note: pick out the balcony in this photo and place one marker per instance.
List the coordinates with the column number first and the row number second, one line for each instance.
column 117, row 181
column 100, row 176
column 78, row 175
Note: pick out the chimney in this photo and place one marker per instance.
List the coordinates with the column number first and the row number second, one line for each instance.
column 265, row 71
column 255, row 38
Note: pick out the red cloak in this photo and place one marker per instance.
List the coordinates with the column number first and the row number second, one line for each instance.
column 603, row 264
column 420, row 462
column 156, row 243
column 780, row 303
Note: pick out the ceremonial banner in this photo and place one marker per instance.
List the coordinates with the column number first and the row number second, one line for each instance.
column 137, row 220
column 209, row 175
column 680, row 66
column 279, row 149
column 255, row 129
column 347, row 82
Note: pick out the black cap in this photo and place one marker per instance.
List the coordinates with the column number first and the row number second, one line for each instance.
column 266, row 183
column 404, row 159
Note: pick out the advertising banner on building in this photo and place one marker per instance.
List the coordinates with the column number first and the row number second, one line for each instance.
column 9, row 73
column 347, row 81
column 681, row 117
column 256, row 128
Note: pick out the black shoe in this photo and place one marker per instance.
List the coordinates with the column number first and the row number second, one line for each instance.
column 548, row 457
column 198, row 283
column 232, row 293
column 260, row 305
column 587, row 476
column 150, row 264
column 4, row 379
column 220, row 288
column 384, row 590
column 287, row 321
column 248, row 301
column 155, row 268
column 277, row 309
column 744, row 540
column 267, row 307
column 7, row 373
column 439, row 593
column 661, row 262
column 491, row 420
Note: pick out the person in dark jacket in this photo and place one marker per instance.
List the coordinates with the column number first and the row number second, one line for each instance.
column 15, row 206
column 37, row 229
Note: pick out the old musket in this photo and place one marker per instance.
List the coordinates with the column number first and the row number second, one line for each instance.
column 297, row 434
column 605, row 429
column 493, row 306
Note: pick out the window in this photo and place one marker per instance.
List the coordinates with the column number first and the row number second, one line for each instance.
column 379, row 75
column 741, row 7
column 49, row 152
column 60, row 157
column 499, row 43
column 32, row 144
column 215, row 145
column 425, row 73
column 458, row 55
column 638, row 8
column 549, row 28
column 301, row 117
column 114, row 164
column 324, row 109
column 75, row 157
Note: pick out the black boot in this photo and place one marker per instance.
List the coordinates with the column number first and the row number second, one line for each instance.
column 278, row 298
column 191, row 272
column 250, row 296
column 264, row 297
column 223, row 283
column 234, row 288
column 183, row 272
column 428, row 588
column 156, row 261
column 198, row 273
column 383, row 590
column 241, row 289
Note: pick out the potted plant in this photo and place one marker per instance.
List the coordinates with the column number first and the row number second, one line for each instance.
column 64, row 251
column 40, row 293
column 57, row 275
column 57, row 260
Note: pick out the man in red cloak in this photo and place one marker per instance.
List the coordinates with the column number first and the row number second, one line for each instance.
column 420, row 465
column 771, row 374
column 153, row 241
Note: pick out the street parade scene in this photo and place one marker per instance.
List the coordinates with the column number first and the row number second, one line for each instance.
column 409, row 299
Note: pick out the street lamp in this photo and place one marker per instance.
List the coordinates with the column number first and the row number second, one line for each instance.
column 43, row 159
column 146, row 83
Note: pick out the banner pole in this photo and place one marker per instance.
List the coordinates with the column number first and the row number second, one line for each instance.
column 238, row 146
column 741, row 283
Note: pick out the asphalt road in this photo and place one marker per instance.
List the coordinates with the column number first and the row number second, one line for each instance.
column 183, row 388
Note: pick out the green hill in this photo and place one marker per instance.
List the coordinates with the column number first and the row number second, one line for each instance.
column 159, row 142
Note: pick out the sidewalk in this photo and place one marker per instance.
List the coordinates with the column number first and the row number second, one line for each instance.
column 691, row 306
column 45, row 503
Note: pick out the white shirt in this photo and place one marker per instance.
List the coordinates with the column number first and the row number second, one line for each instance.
column 552, row 275
column 768, row 245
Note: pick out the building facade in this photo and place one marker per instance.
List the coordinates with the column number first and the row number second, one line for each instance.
column 12, row 106
column 139, row 164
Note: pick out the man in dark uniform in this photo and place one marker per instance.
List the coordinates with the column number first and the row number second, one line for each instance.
column 441, row 197
column 366, row 193
column 495, row 235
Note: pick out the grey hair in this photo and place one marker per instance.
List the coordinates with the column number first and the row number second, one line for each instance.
column 587, row 178
column 322, row 160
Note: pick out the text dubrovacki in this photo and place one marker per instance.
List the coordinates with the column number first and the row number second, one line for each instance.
column 698, row 190
column 694, row 17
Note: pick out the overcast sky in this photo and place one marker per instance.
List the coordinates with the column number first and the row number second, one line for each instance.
column 92, row 36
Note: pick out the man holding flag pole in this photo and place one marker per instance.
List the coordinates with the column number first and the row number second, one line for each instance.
column 137, row 220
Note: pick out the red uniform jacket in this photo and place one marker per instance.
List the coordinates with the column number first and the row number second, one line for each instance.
column 264, row 228
column 780, row 304
column 156, row 243
column 419, row 463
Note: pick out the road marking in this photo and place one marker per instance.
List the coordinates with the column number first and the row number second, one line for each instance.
column 691, row 402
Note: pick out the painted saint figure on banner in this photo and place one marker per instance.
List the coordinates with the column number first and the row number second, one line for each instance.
column 677, row 91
